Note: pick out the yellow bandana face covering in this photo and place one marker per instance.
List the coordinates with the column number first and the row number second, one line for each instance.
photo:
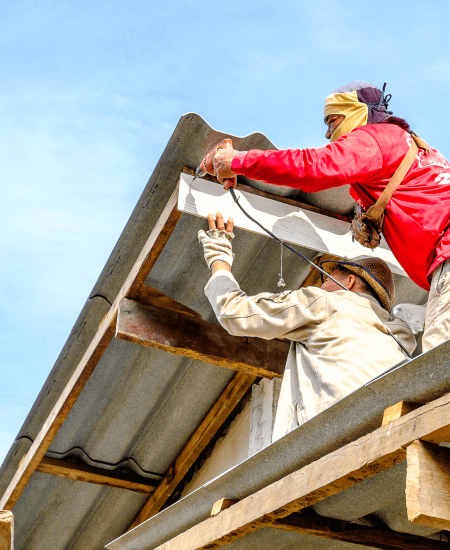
column 346, row 104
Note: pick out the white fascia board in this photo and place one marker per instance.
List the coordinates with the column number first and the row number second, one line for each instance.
column 289, row 223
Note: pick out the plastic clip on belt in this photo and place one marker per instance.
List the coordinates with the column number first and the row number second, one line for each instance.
column 236, row 200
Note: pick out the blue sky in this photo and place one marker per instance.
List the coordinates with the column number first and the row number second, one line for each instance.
column 90, row 93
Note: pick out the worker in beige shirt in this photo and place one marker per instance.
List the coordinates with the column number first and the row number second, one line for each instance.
column 339, row 339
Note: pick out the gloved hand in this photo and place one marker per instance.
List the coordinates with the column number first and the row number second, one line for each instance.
column 217, row 240
column 217, row 245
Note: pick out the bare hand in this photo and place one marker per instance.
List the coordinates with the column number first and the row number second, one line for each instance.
column 222, row 166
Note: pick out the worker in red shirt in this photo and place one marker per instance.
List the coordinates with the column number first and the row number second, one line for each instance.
column 367, row 144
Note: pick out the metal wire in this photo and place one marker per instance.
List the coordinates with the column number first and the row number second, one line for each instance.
column 236, row 200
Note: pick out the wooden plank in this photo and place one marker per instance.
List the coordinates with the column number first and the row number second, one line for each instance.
column 294, row 225
column 98, row 476
column 327, row 476
column 428, row 485
column 277, row 198
column 151, row 296
column 6, row 530
column 396, row 411
column 183, row 335
column 313, row 278
column 213, row 421
column 221, row 505
column 147, row 258
column 344, row 531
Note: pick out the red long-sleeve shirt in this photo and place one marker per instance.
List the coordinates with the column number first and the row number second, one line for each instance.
column 417, row 219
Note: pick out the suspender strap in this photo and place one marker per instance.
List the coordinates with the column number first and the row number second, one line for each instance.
column 375, row 211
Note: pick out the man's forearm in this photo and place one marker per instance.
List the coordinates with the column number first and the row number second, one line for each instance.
column 219, row 265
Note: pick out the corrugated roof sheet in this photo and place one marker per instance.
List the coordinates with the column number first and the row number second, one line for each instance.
column 141, row 405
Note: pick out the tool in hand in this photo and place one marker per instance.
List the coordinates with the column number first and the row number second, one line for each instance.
column 207, row 167
column 207, row 164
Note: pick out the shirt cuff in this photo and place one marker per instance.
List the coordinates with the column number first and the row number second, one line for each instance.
column 238, row 162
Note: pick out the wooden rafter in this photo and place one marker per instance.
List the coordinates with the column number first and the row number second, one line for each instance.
column 139, row 272
column 213, row 421
column 327, row 476
column 150, row 296
column 344, row 531
column 181, row 334
column 98, row 476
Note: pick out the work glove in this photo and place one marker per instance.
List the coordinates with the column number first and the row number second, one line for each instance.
column 216, row 246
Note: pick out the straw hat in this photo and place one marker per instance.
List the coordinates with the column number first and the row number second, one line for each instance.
column 374, row 271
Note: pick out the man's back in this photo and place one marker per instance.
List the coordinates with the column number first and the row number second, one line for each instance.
column 338, row 340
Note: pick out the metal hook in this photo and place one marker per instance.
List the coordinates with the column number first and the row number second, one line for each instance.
column 281, row 281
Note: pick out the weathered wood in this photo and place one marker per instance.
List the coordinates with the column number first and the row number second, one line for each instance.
column 182, row 335
column 6, row 530
column 327, row 476
column 289, row 223
column 345, row 531
column 428, row 485
column 396, row 411
column 159, row 236
column 213, row 421
column 150, row 296
column 98, row 476
column 313, row 278
column 277, row 198
column 147, row 258
column 221, row 505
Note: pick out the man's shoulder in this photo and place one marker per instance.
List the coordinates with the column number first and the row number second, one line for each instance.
column 381, row 136
column 386, row 134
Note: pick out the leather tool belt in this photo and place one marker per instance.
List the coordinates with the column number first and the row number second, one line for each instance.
column 367, row 225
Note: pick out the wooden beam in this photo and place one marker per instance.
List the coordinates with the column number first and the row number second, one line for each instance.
column 313, row 278
column 139, row 272
column 325, row 477
column 98, row 476
column 428, row 485
column 344, row 531
column 183, row 335
column 150, row 296
column 6, row 530
column 396, row 411
column 294, row 225
column 277, row 198
column 213, row 421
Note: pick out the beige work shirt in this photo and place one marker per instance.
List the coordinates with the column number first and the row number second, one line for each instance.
column 339, row 341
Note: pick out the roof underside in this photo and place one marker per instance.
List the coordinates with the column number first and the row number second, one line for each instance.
column 141, row 405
